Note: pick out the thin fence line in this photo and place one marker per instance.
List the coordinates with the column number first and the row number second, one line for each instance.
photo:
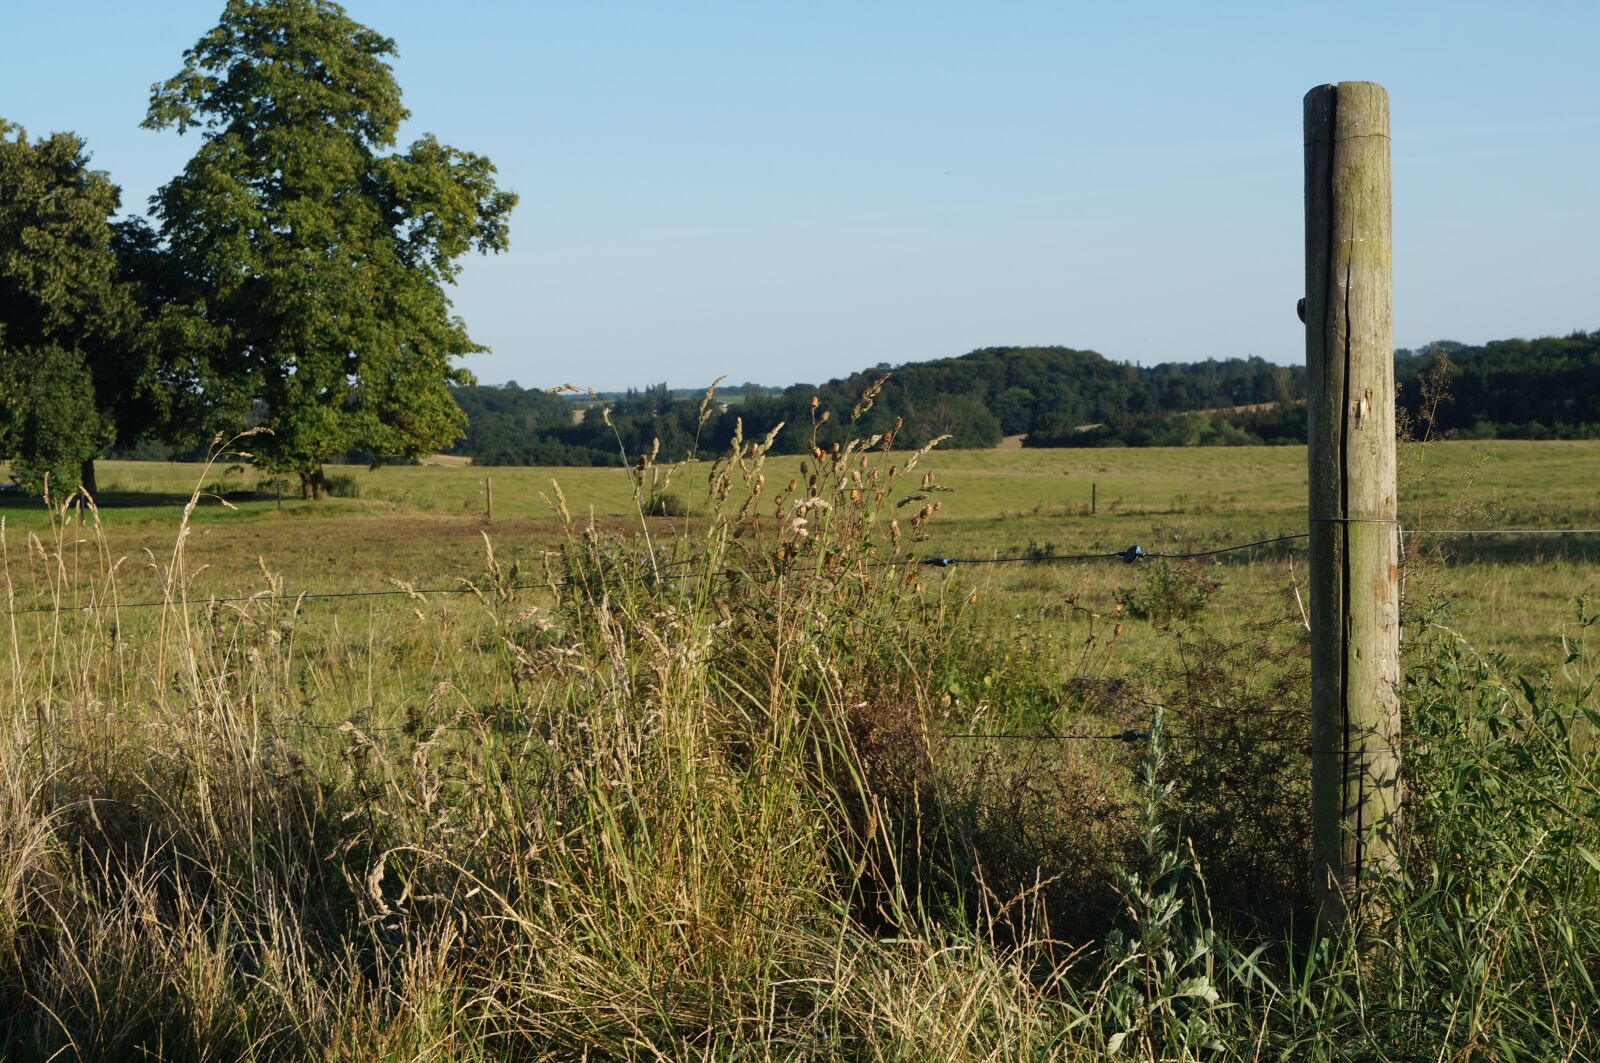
column 1130, row 735
column 423, row 732
column 1500, row 531
column 1131, row 555
column 309, row 596
column 409, row 592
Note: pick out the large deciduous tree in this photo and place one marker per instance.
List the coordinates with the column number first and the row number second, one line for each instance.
column 73, row 369
column 319, row 256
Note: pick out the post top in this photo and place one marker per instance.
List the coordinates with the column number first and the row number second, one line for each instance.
column 1350, row 87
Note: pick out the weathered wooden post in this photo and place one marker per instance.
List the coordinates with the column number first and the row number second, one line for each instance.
column 488, row 499
column 1355, row 601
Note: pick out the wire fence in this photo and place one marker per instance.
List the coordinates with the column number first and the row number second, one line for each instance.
column 1133, row 554
column 360, row 734
column 1130, row 555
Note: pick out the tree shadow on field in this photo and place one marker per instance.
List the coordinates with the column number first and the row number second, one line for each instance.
column 1576, row 547
column 18, row 502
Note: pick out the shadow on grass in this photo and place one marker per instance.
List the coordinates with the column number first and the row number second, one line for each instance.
column 17, row 502
column 1574, row 548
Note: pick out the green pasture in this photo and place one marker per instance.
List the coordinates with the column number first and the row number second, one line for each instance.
column 1545, row 483
column 426, row 526
column 463, row 749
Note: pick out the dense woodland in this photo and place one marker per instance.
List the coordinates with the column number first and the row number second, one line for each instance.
column 1054, row 396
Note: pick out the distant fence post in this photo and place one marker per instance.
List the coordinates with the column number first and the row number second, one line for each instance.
column 488, row 498
column 1355, row 601
column 1094, row 499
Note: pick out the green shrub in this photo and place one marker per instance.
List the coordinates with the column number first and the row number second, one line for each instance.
column 1164, row 591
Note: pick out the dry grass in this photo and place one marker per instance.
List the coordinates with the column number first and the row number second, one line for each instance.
column 652, row 789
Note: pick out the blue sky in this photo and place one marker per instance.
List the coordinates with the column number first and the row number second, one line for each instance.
column 786, row 192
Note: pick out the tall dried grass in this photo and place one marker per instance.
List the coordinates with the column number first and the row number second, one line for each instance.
column 700, row 803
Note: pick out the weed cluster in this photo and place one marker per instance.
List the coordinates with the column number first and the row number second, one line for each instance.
column 1165, row 591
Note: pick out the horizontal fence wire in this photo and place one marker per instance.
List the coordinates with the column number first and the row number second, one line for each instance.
column 387, row 735
column 1130, row 735
column 1499, row 531
column 1131, row 555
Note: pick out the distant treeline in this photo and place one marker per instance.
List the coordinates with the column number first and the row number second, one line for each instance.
column 1054, row 396
column 1511, row 389
column 976, row 399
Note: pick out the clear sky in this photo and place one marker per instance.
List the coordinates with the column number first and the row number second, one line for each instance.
column 786, row 192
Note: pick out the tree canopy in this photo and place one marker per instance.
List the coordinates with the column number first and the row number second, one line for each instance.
column 73, row 376
column 316, row 258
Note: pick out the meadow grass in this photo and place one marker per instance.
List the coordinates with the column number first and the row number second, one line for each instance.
column 747, row 784
column 424, row 525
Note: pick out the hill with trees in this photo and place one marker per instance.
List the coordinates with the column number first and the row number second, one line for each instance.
column 975, row 400
column 1054, row 396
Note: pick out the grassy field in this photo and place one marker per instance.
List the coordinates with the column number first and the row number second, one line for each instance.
column 426, row 525
column 606, row 786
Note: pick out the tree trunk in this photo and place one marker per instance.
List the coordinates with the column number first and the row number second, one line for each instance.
column 314, row 485
column 86, row 480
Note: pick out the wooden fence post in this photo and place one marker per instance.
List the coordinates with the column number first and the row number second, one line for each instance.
column 488, row 499
column 1355, row 601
